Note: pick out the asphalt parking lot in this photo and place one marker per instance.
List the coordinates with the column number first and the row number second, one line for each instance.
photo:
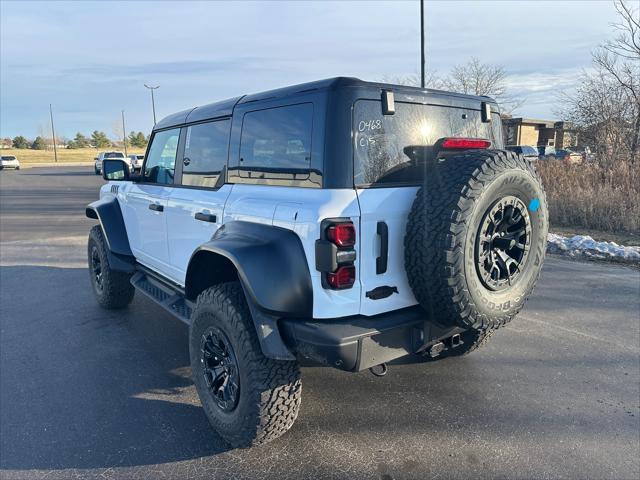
column 94, row 394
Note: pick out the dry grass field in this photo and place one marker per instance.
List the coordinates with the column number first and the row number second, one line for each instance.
column 64, row 154
column 592, row 198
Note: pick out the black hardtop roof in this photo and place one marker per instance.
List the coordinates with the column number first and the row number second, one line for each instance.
column 225, row 108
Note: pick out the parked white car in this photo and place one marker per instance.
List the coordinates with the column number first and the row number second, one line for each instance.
column 136, row 161
column 103, row 155
column 9, row 161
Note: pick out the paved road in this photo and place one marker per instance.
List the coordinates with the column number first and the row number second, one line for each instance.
column 90, row 393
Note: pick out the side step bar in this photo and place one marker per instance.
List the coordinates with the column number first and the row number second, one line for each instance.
column 164, row 295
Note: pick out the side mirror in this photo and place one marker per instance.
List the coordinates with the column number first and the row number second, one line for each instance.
column 115, row 169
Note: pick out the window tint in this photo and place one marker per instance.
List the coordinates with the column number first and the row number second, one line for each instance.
column 205, row 153
column 382, row 153
column 275, row 147
column 161, row 161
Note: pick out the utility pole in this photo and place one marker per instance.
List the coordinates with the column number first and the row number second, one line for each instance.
column 53, row 134
column 124, row 135
column 422, row 43
column 153, row 102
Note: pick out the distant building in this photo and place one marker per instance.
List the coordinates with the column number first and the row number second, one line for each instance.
column 534, row 132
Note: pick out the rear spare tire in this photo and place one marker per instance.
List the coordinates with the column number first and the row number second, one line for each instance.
column 476, row 238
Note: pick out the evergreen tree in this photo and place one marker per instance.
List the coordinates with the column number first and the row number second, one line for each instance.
column 39, row 143
column 100, row 139
column 20, row 142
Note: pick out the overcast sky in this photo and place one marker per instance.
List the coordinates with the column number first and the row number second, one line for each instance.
column 91, row 59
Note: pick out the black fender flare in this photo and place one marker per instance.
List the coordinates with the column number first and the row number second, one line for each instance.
column 273, row 270
column 107, row 211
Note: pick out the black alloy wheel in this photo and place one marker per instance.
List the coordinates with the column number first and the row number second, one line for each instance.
column 220, row 369
column 502, row 245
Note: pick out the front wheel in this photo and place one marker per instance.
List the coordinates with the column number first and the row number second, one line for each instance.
column 113, row 289
column 249, row 399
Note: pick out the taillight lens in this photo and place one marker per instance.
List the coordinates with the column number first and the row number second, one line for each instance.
column 342, row 234
column 464, row 143
column 343, row 277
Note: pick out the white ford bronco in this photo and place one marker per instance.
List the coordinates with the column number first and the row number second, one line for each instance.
column 340, row 221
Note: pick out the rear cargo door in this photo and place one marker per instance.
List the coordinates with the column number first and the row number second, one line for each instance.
column 383, row 221
column 387, row 174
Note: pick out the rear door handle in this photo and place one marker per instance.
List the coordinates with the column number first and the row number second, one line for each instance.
column 381, row 262
column 206, row 217
column 156, row 207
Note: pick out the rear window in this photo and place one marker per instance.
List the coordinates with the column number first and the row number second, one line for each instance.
column 205, row 153
column 114, row 155
column 8, row 158
column 382, row 140
column 275, row 147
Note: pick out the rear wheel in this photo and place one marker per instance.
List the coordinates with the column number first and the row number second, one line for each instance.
column 249, row 399
column 113, row 289
column 476, row 238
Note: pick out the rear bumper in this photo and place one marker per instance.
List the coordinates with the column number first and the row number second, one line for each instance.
column 358, row 343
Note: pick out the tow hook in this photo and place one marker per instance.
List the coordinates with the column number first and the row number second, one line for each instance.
column 379, row 370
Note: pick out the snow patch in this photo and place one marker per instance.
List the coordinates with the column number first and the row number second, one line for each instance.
column 585, row 246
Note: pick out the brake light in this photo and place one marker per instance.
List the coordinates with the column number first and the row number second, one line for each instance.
column 342, row 234
column 343, row 277
column 335, row 253
column 464, row 143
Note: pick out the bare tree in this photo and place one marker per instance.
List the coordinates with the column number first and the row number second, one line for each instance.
column 477, row 78
column 432, row 80
column 619, row 58
column 605, row 107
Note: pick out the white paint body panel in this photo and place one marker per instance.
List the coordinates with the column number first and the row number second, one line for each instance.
column 184, row 233
column 392, row 206
column 147, row 229
column 301, row 210
column 165, row 241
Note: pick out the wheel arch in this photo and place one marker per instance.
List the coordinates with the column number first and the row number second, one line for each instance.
column 270, row 264
column 108, row 213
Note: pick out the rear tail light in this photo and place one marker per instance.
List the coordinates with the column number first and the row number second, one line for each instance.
column 453, row 143
column 343, row 277
column 335, row 255
column 343, row 234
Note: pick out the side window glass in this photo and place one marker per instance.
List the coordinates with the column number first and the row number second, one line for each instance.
column 205, row 153
column 161, row 161
column 275, row 147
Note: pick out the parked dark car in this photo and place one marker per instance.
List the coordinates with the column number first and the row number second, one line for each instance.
column 528, row 152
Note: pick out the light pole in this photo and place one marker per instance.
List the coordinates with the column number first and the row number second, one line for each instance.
column 124, row 135
column 53, row 134
column 153, row 102
column 422, row 43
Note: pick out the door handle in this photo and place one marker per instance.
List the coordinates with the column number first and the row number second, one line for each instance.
column 206, row 217
column 381, row 262
column 156, row 207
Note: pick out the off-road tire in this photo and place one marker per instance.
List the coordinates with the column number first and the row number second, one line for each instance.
column 116, row 290
column 442, row 231
column 270, row 390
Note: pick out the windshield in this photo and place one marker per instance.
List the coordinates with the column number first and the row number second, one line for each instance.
column 381, row 153
column 114, row 155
